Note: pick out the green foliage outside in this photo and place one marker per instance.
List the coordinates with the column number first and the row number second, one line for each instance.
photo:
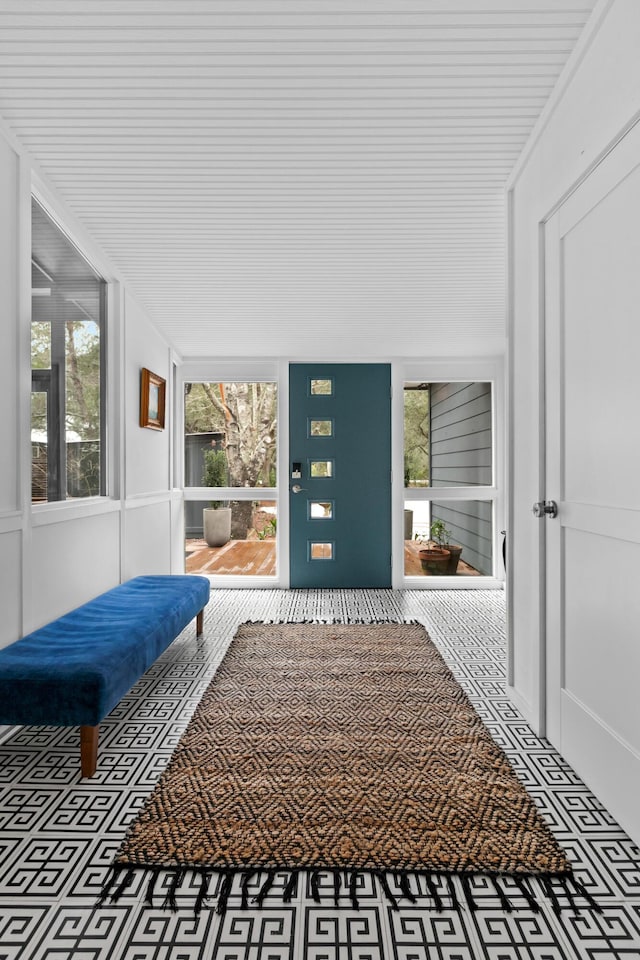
column 269, row 529
column 82, row 355
column 216, row 473
column 201, row 413
column 82, row 375
column 246, row 414
column 81, row 402
column 416, row 435
column 40, row 345
column 440, row 533
column 215, row 469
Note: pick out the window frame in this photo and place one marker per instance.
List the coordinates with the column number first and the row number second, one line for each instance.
column 55, row 385
column 489, row 370
column 239, row 371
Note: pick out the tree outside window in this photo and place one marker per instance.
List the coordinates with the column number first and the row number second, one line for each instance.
column 240, row 419
column 67, row 367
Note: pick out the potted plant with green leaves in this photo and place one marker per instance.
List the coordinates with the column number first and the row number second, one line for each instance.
column 216, row 518
column 441, row 535
column 434, row 558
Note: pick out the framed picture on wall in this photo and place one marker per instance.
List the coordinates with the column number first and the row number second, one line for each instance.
column 152, row 400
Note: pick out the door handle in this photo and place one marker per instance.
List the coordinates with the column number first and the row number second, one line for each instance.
column 296, row 488
column 545, row 508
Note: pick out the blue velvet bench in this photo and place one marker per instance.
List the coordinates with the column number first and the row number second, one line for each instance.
column 73, row 671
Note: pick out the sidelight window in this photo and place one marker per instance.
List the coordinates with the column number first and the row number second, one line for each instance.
column 448, row 479
column 230, row 447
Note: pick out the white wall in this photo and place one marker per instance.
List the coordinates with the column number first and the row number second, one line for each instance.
column 56, row 556
column 11, row 540
column 8, row 312
column 147, row 532
column 147, row 523
column 599, row 99
column 72, row 561
column 146, row 450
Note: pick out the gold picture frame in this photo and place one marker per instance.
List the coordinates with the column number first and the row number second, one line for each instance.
column 152, row 400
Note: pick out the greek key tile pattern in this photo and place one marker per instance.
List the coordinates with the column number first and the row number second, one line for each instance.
column 58, row 834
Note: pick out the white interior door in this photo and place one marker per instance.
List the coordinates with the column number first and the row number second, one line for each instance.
column 592, row 353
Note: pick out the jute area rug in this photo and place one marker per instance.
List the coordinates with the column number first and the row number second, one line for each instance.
column 347, row 748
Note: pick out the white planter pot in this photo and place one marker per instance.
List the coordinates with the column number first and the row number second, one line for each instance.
column 216, row 525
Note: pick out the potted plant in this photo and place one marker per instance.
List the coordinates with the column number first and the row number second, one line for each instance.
column 216, row 518
column 434, row 558
column 442, row 536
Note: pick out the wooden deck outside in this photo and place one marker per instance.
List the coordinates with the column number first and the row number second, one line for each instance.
column 257, row 558
column 245, row 558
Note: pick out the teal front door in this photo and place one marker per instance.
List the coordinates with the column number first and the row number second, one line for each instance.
column 340, row 474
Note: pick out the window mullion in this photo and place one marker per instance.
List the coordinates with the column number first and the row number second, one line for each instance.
column 56, row 425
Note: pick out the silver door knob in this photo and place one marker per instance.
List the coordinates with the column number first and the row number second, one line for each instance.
column 545, row 508
column 296, row 488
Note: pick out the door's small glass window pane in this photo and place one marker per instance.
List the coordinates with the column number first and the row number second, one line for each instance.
column 321, row 551
column 321, row 468
column 321, row 509
column 320, row 428
column 321, row 388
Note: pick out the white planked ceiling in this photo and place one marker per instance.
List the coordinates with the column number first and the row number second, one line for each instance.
column 292, row 177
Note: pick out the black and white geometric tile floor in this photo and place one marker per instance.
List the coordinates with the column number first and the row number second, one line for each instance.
column 58, row 834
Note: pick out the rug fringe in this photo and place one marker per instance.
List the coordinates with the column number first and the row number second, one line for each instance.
column 148, row 897
column 353, row 890
column 291, row 888
column 562, row 892
column 546, row 882
column 468, row 893
column 386, row 889
column 264, row 889
column 224, row 892
column 314, row 882
column 433, row 891
column 336, row 887
column 331, row 621
column 109, row 882
column 453, row 893
column 205, row 877
column 405, row 886
column 583, row 892
column 170, row 902
column 244, row 888
column 521, row 883
column 126, row 881
column 505, row 903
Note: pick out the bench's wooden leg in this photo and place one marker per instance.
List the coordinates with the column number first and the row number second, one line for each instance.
column 88, row 750
column 200, row 623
